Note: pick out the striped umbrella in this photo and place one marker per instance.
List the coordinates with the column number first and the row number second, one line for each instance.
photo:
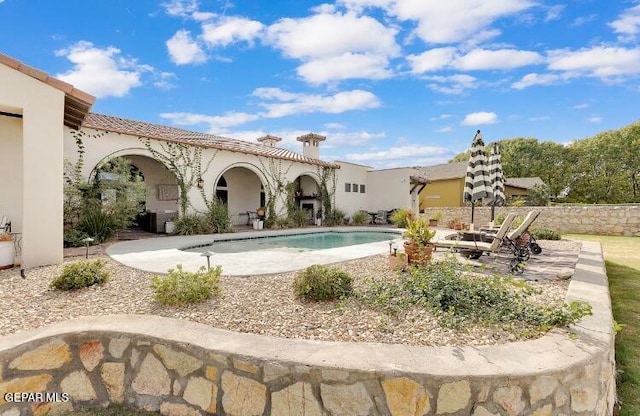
column 497, row 178
column 477, row 184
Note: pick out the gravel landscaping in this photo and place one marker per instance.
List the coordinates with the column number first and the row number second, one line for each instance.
column 265, row 304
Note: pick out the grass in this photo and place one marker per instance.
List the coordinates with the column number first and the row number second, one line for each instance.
column 623, row 269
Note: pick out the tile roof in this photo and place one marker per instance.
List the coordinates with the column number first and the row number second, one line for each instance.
column 445, row 171
column 77, row 103
column 172, row 134
column 524, row 183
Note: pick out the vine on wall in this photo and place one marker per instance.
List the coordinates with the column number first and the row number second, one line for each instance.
column 275, row 188
column 328, row 181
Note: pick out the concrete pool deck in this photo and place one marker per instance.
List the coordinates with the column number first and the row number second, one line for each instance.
column 158, row 255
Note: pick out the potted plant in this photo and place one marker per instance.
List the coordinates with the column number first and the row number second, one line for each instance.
column 436, row 217
column 418, row 246
column 319, row 217
column 7, row 253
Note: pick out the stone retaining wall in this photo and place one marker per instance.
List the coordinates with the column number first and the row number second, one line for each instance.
column 583, row 219
column 184, row 368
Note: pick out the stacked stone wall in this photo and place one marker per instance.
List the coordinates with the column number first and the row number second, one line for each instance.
column 623, row 220
column 183, row 368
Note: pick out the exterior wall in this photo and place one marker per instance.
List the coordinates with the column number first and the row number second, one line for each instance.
column 244, row 193
column 388, row 189
column 40, row 219
column 180, row 367
column 11, row 170
column 442, row 193
column 511, row 191
column 155, row 174
column 351, row 202
column 580, row 219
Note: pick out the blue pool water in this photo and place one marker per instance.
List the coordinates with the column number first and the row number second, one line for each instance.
column 298, row 242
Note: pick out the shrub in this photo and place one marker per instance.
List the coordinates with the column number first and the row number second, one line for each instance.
column 217, row 217
column 335, row 217
column 298, row 217
column 360, row 218
column 180, row 287
column 319, row 282
column 401, row 216
column 546, row 234
column 81, row 274
column 499, row 219
column 97, row 224
column 74, row 237
column 190, row 224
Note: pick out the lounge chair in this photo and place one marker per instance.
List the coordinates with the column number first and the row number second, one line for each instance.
column 5, row 224
column 520, row 238
column 381, row 217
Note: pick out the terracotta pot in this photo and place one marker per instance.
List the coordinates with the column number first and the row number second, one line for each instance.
column 418, row 255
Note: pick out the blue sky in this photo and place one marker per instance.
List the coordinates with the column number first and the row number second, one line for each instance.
column 389, row 82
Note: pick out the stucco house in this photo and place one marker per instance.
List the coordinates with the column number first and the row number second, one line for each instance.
column 44, row 121
column 446, row 184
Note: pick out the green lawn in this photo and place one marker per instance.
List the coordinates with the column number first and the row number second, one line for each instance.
column 622, row 255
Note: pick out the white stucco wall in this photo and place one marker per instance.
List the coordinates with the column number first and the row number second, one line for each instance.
column 389, row 189
column 352, row 201
column 41, row 219
column 155, row 174
column 11, row 170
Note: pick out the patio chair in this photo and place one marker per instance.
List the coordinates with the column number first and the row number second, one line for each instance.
column 381, row 217
column 5, row 224
column 521, row 239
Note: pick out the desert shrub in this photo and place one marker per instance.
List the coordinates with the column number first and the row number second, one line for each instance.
column 180, row 287
column 190, row 224
column 499, row 219
column 97, row 224
column 546, row 234
column 298, row 217
column 74, row 237
column 81, row 274
column 360, row 218
column 282, row 222
column 401, row 216
column 217, row 217
column 319, row 282
column 335, row 217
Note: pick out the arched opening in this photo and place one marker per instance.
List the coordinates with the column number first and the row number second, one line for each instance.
column 241, row 189
column 307, row 195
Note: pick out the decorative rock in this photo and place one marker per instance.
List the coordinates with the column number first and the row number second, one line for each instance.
column 11, row 412
column 583, row 399
column 60, row 408
column 544, row 411
column 541, row 388
column 40, row 409
column 201, row 392
column 245, row 366
column 343, row 399
column 78, row 386
column 561, row 398
column 91, row 353
column 334, row 375
column 172, row 409
column 174, row 360
column 52, row 355
column 405, row 397
column 152, row 379
column 0, row 371
column 483, row 395
column 211, row 373
column 135, row 356
column 113, row 380
column 242, row 396
column 510, row 399
column 453, row 397
column 31, row 384
column 295, row 400
column 272, row 371
column 177, row 387
column 117, row 346
column 481, row 411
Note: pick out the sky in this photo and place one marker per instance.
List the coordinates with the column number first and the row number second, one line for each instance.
column 389, row 82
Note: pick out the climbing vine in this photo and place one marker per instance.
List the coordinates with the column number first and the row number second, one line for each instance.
column 277, row 187
column 328, row 182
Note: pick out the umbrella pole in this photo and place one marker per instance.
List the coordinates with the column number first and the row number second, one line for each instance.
column 493, row 211
column 473, row 205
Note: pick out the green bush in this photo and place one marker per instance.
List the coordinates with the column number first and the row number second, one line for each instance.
column 401, row 216
column 319, row 282
column 217, row 217
column 335, row 217
column 74, row 238
column 360, row 218
column 81, row 274
column 190, row 224
column 97, row 224
column 298, row 217
column 180, row 287
column 546, row 234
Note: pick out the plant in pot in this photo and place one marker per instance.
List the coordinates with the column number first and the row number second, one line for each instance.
column 418, row 246
column 7, row 253
column 435, row 218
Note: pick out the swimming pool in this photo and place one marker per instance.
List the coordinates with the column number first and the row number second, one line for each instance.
column 296, row 242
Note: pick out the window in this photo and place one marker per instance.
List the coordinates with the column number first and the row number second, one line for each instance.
column 361, row 189
column 347, row 187
column 222, row 191
column 354, row 186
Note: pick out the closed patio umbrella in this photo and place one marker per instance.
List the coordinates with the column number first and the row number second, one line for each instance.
column 497, row 179
column 477, row 184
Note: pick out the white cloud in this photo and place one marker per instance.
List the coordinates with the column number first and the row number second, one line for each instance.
column 595, row 119
column 180, row 8
column 407, row 155
column 334, row 126
column 345, row 66
column 481, row 117
column 580, row 106
column 296, row 103
column 536, row 79
column 604, row 62
column 483, row 59
column 539, row 118
column 228, row 30
column 101, row 72
column 583, row 20
column 554, row 12
column 360, row 5
column 183, row 50
column 164, row 80
column 431, row 60
column 215, row 123
column 444, row 129
column 627, row 25
column 454, row 84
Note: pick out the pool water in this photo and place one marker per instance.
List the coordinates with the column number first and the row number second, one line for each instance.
column 298, row 242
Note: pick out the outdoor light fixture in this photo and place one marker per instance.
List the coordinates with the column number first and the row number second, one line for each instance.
column 208, row 255
column 390, row 246
column 86, row 242
column 395, row 250
column 200, row 183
